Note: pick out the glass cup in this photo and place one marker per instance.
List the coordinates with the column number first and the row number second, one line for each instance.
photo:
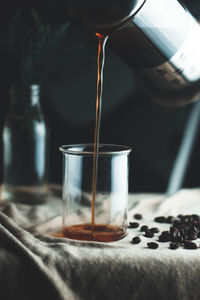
column 95, row 192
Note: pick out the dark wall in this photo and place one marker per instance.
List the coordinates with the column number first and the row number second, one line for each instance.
column 128, row 117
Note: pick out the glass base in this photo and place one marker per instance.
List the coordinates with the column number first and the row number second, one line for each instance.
column 99, row 233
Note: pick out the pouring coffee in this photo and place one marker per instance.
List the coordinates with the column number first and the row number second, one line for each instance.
column 158, row 39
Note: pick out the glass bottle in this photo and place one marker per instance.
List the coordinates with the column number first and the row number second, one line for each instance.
column 25, row 157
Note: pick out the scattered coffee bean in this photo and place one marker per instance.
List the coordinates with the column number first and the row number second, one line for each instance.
column 170, row 219
column 190, row 245
column 136, row 240
column 192, row 236
column 133, row 225
column 154, row 230
column 164, row 237
column 144, row 228
column 183, row 230
column 176, row 239
column 174, row 246
column 196, row 218
column 152, row 245
column 138, row 216
column 184, row 220
column 165, row 232
column 177, row 224
column 195, row 230
column 149, row 234
column 160, row 219
column 173, row 230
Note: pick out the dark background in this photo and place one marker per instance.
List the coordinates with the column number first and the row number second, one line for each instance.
column 128, row 117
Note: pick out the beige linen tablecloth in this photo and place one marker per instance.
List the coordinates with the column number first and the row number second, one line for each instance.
column 36, row 265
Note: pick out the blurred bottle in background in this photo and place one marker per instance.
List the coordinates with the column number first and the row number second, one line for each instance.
column 25, row 148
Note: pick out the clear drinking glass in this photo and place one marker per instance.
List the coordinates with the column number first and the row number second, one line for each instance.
column 95, row 199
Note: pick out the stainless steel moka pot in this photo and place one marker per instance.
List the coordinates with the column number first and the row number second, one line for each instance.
column 158, row 38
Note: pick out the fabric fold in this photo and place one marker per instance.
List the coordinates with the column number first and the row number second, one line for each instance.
column 37, row 264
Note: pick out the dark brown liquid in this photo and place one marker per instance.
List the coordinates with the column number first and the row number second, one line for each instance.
column 100, row 233
column 101, row 59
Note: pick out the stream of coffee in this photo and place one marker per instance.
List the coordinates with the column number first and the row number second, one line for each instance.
column 101, row 59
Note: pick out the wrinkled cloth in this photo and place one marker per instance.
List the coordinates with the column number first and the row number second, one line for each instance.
column 34, row 264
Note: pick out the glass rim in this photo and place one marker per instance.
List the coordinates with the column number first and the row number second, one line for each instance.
column 117, row 149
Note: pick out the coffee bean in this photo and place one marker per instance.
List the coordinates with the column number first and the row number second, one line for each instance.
column 144, row 228
column 160, row 219
column 170, row 219
column 190, row 245
column 138, row 216
column 173, row 229
column 182, row 232
column 192, row 236
column 152, row 245
column 164, row 237
column 136, row 240
column 177, row 223
column 176, row 239
column 165, row 232
column 179, row 216
column 187, row 227
column 149, row 234
column 196, row 218
column 133, row 225
column 185, row 219
column 154, row 230
column 195, row 223
column 174, row 246
column 195, row 230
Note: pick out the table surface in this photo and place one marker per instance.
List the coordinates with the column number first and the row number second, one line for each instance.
column 36, row 264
